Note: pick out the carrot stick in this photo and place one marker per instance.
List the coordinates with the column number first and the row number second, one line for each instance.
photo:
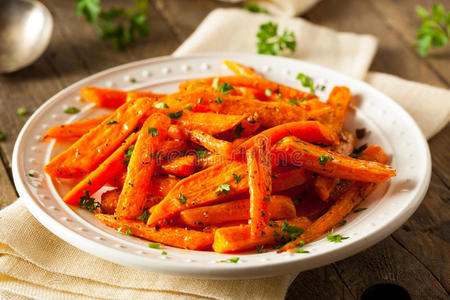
column 260, row 184
column 142, row 166
column 344, row 204
column 95, row 146
column 109, row 201
column 182, row 166
column 280, row 207
column 134, row 95
column 238, row 238
column 282, row 181
column 177, row 133
column 311, row 131
column 242, row 70
column 209, row 122
column 339, row 99
column 172, row 236
column 172, row 149
column 332, row 164
column 221, row 147
column 208, row 186
column 323, row 186
column 73, row 130
column 104, row 97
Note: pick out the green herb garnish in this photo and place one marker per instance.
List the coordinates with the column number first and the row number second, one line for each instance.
column 323, row 159
column 223, row 188
column 269, row 42
column 144, row 216
column 153, row 131
column 111, row 122
column 259, row 249
column 201, row 152
column 154, row 245
column 175, row 115
column 435, row 28
column 31, row 174
column 88, row 202
column 71, row 110
column 291, row 230
column 182, row 198
column 237, row 178
column 219, row 100
column 164, row 253
column 224, row 88
column 21, row 111
column 359, row 210
column 337, row 238
column 160, row 105
column 128, row 154
column 238, row 130
column 232, row 260
column 255, row 8
column 128, row 232
column 293, row 101
column 306, row 81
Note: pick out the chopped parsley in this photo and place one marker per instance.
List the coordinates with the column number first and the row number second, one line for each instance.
column 133, row 80
column 224, row 88
column 164, row 253
column 160, row 105
column 200, row 100
column 254, row 8
column 270, row 43
column 182, row 198
column 189, row 107
column 306, row 81
column 337, row 238
column 111, row 122
column 323, row 159
column 268, row 92
column 238, row 130
column 153, row 131
column 223, row 188
column 232, row 260
column 154, row 245
column 175, row 115
column 88, row 202
column 201, row 152
column 144, row 216
column 127, row 232
column 72, row 110
column 219, row 100
column 21, row 111
column 259, row 249
column 291, row 230
column 359, row 209
column 237, row 178
column 342, row 222
column 128, row 154
column 293, row 101
column 301, row 250
column 31, row 174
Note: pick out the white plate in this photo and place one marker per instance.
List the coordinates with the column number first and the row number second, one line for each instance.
column 387, row 208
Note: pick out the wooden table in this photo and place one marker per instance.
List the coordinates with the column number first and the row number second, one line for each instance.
column 415, row 257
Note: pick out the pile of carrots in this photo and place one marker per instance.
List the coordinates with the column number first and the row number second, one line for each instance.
column 228, row 163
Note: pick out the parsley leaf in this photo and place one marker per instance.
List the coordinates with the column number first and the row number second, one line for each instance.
column 164, row 253
column 238, row 130
column 111, row 122
column 154, row 245
column 232, row 260
column 219, row 100
column 301, row 250
column 434, row 30
column 71, row 110
column 160, row 105
column 306, row 81
column 237, row 178
column 22, row 111
column 201, row 152
column 223, row 188
column 259, row 249
column 291, row 230
column 269, row 42
column 293, row 101
column 182, row 198
column 153, row 131
column 255, row 8
column 144, row 216
column 224, row 88
column 175, row 115
column 128, row 154
column 88, row 202
column 128, row 232
column 359, row 210
column 337, row 238
column 323, row 159
column 116, row 24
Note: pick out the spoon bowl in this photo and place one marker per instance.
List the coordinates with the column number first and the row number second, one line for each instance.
column 25, row 31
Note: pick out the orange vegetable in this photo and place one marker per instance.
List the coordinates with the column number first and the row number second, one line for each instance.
column 279, row 207
column 182, row 166
column 95, row 146
column 282, row 181
column 260, row 184
column 238, row 238
column 332, row 164
column 109, row 201
column 142, row 166
column 104, row 97
column 208, row 122
column 172, row 236
column 73, row 130
column 134, row 95
column 339, row 99
column 221, row 147
column 205, row 187
column 172, row 149
column 324, row 186
column 240, row 69
column 176, row 132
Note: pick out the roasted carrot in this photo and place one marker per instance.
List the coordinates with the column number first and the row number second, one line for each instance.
column 134, row 95
column 324, row 186
column 240, row 69
column 182, row 166
column 205, row 187
column 260, row 184
column 109, row 201
column 176, row 132
column 172, row 236
column 339, row 99
column 282, row 181
column 104, row 97
column 208, row 122
column 142, row 166
column 279, row 207
column 221, row 147
column 73, row 130
column 238, row 238
column 332, row 164
column 172, row 149
column 96, row 145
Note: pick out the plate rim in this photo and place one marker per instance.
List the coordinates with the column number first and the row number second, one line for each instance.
column 225, row 270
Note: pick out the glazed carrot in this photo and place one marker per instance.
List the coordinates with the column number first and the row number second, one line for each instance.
column 205, row 187
column 182, row 166
column 344, row 204
column 159, row 188
column 332, row 164
column 247, row 127
column 311, row 131
column 134, row 95
column 142, row 166
column 211, row 123
column 172, row 236
column 282, row 181
column 73, row 130
column 324, row 186
column 221, row 147
column 260, row 184
column 111, row 168
column 374, row 153
column 95, row 146
column 176, row 132
column 238, row 238
column 104, row 97
column 210, row 160
column 172, row 149
column 239, row 69
column 339, row 99
column 280, row 207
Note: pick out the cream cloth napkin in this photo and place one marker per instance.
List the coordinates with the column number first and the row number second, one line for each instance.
column 234, row 30
column 35, row 263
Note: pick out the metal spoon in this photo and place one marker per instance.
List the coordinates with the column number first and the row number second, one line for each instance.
column 25, row 31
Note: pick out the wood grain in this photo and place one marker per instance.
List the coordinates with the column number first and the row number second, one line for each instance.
column 416, row 256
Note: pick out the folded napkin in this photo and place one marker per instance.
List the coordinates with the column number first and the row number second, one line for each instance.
column 35, row 263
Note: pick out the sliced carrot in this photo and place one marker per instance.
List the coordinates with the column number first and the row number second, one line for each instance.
column 205, row 187
column 134, row 95
column 182, row 166
column 142, row 166
column 95, row 146
column 280, row 207
column 209, row 122
column 172, row 236
column 212, row 159
column 221, row 147
column 339, row 98
column 324, row 186
column 240, row 69
column 109, row 201
column 104, row 97
column 238, row 238
column 176, row 132
column 260, row 184
column 332, row 164
column 172, row 149
column 73, row 130
column 282, row 181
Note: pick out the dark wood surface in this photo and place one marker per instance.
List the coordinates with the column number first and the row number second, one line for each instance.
column 415, row 257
